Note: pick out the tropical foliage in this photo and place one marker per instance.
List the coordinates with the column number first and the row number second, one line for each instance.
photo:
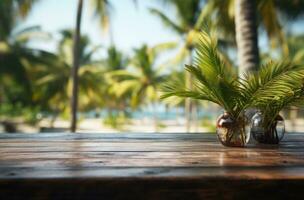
column 213, row 81
column 35, row 83
column 55, row 87
column 16, row 59
column 272, row 15
column 189, row 22
column 143, row 77
column 116, row 105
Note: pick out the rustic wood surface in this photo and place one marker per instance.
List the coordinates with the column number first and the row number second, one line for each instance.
column 149, row 166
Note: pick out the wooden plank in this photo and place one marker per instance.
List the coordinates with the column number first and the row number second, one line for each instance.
column 153, row 166
column 147, row 153
column 152, row 159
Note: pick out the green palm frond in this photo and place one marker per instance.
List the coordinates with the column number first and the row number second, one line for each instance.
column 210, row 60
column 213, row 75
column 123, row 74
column 212, row 81
column 102, row 10
column 163, row 47
column 115, row 60
column 142, row 77
column 167, row 21
column 171, row 90
column 274, row 106
column 274, row 80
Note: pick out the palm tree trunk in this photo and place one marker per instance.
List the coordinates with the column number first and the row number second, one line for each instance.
column 246, row 35
column 74, row 100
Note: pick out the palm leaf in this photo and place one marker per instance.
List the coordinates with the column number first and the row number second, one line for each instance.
column 212, row 81
column 102, row 10
column 274, row 80
column 167, row 21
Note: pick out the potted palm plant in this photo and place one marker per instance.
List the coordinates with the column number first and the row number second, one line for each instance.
column 281, row 86
column 214, row 81
column 267, row 125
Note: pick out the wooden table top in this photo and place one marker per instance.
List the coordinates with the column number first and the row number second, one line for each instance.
column 186, row 162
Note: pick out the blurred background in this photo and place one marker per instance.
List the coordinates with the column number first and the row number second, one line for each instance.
column 125, row 51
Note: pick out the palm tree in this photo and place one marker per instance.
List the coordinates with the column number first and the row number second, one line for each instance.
column 101, row 10
column 53, row 87
column 13, row 11
column 246, row 35
column 13, row 54
column 16, row 61
column 74, row 100
column 13, row 42
column 143, row 77
column 116, row 105
column 223, row 15
column 187, row 27
column 16, row 58
column 115, row 60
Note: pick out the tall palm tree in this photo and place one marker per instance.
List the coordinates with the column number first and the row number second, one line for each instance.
column 246, row 35
column 115, row 59
column 116, row 105
column 189, row 23
column 143, row 77
column 13, row 42
column 243, row 14
column 223, row 15
column 15, row 55
column 74, row 100
column 16, row 60
column 101, row 10
column 53, row 88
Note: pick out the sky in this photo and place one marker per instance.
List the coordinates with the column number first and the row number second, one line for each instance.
column 132, row 25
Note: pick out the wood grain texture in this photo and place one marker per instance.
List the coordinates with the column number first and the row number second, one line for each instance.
column 149, row 166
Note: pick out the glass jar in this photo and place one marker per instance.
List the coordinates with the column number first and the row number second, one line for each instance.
column 232, row 132
column 267, row 132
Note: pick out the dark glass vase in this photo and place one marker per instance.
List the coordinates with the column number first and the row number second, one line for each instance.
column 267, row 133
column 232, row 132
